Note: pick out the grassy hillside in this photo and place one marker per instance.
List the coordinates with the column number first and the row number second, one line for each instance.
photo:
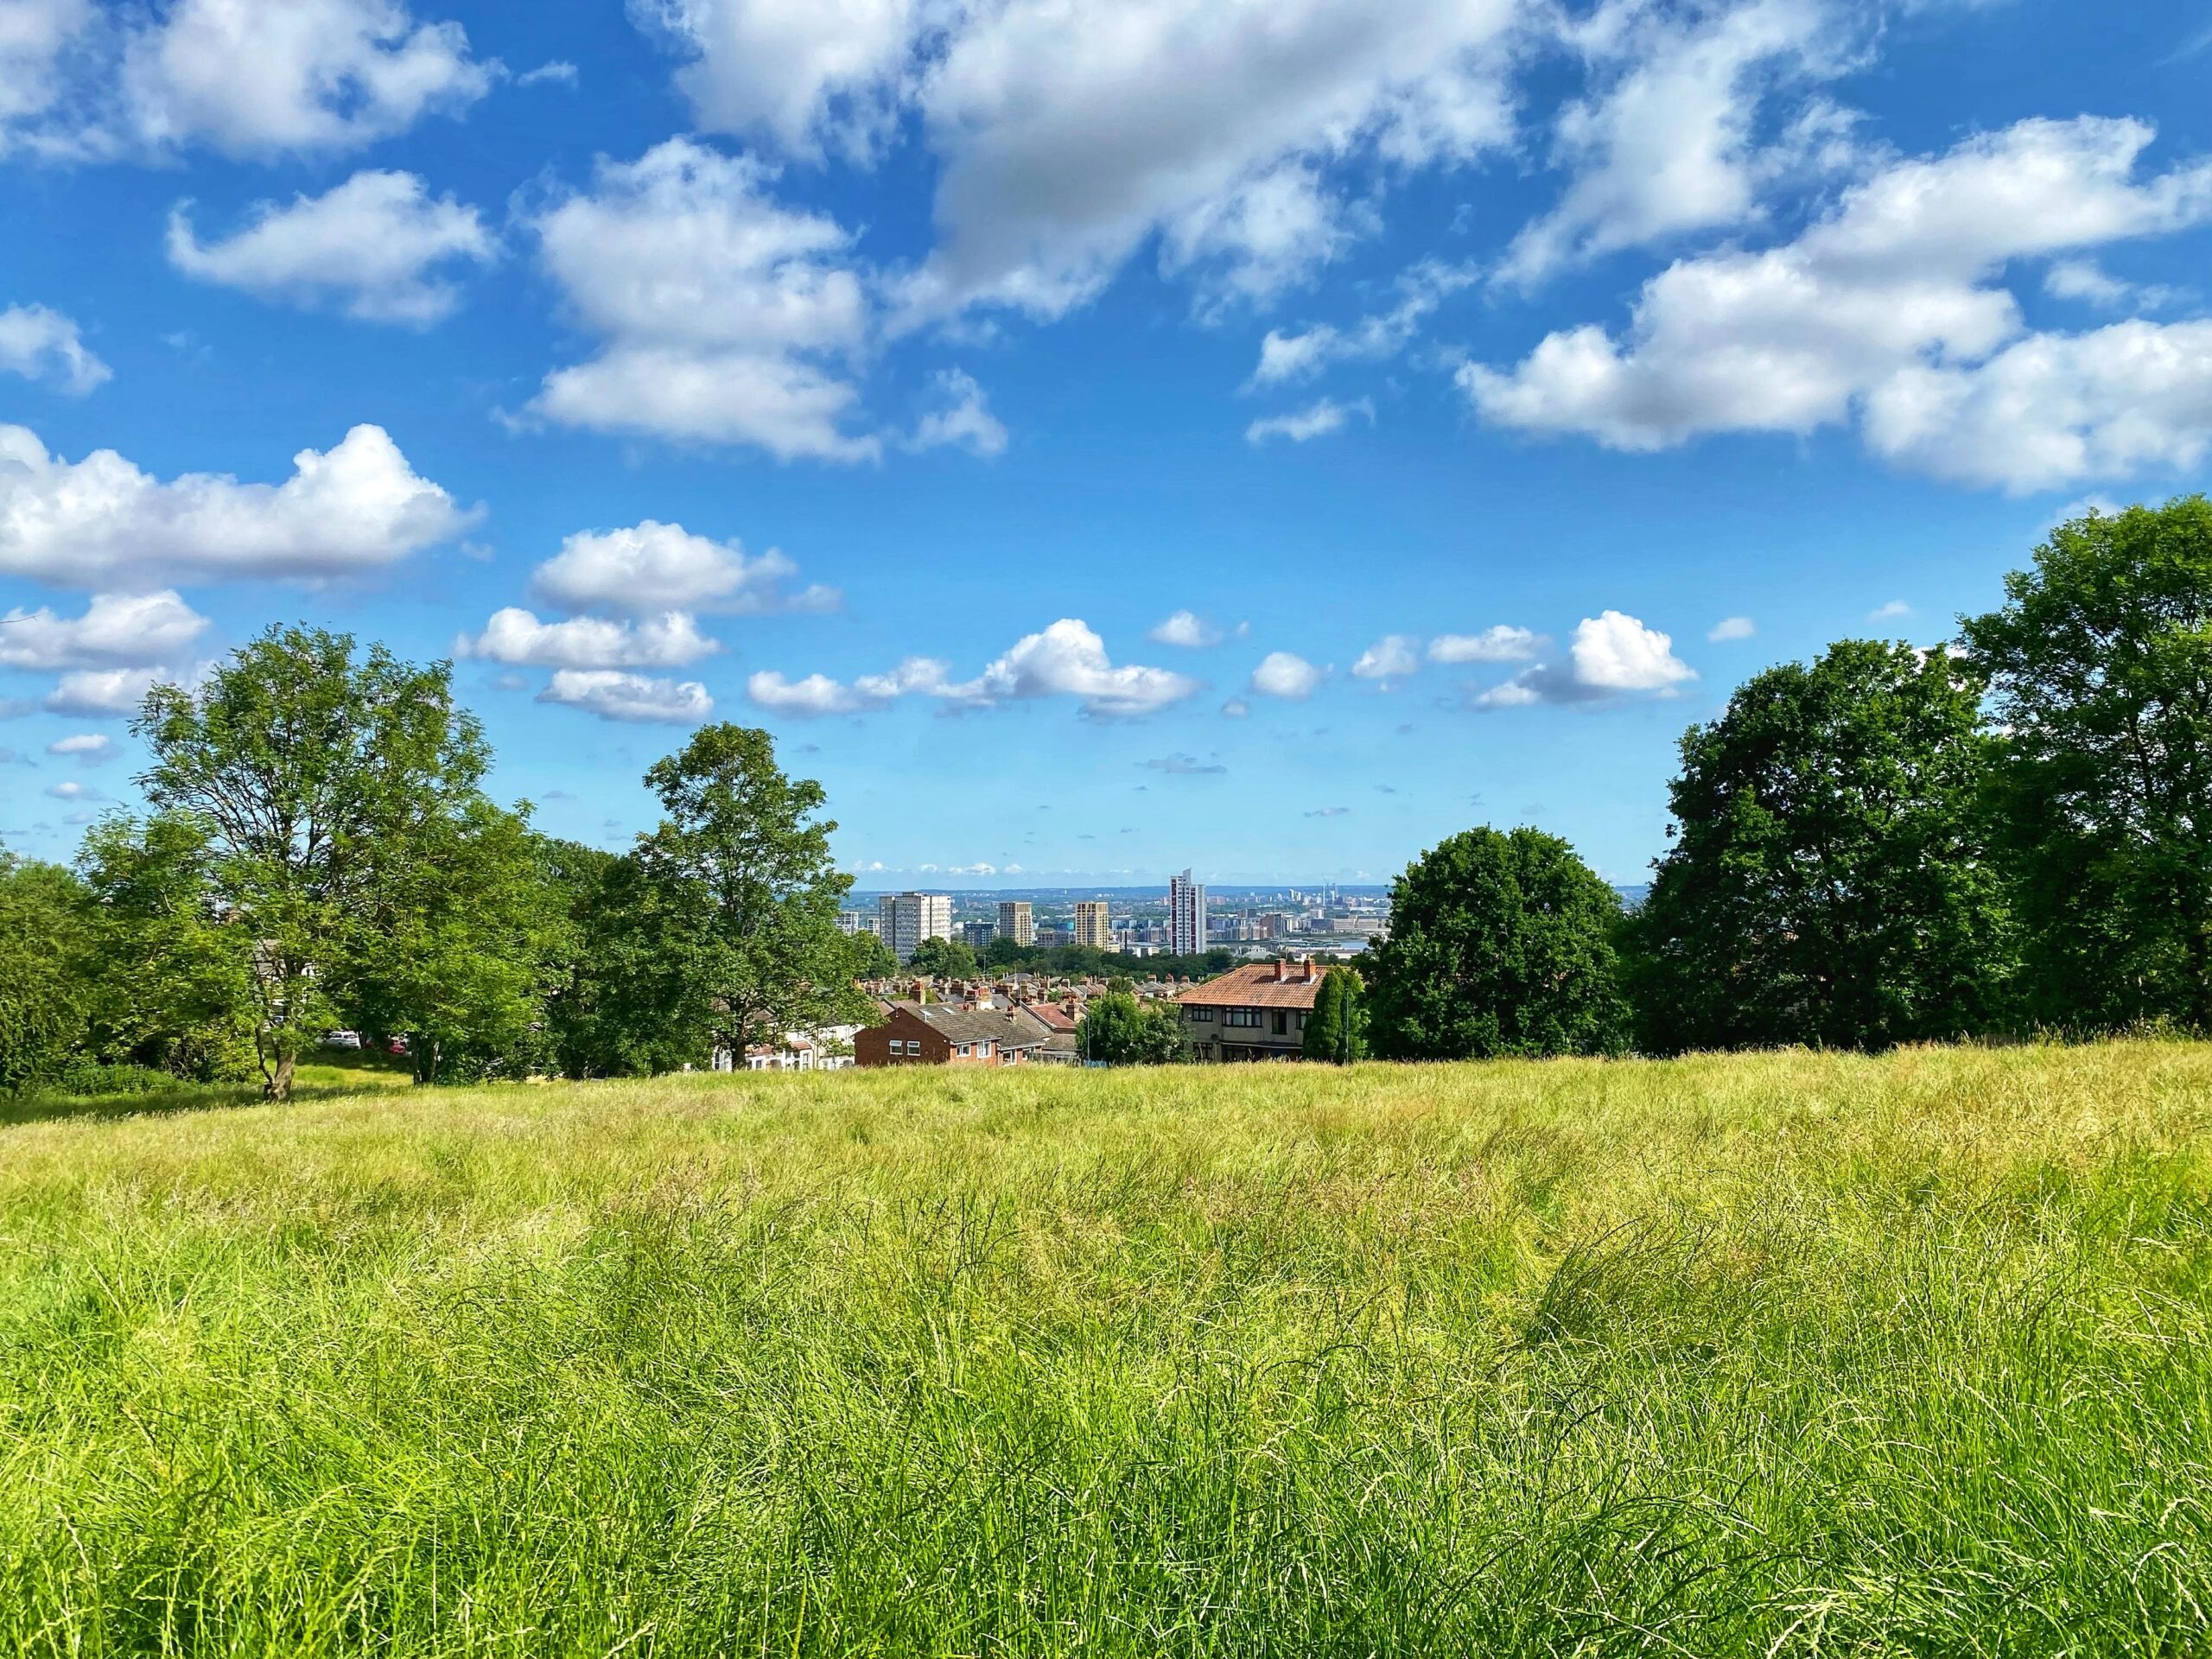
column 1785, row 1354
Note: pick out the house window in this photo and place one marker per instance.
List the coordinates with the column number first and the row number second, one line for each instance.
column 1282, row 1023
column 1201, row 1016
column 1241, row 1017
column 967, row 1051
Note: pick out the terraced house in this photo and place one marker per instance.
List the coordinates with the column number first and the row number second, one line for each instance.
column 1257, row 1012
column 928, row 1033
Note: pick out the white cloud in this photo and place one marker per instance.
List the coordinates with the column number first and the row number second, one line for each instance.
column 1612, row 655
column 35, row 36
column 1208, row 123
column 44, row 345
column 1500, row 643
column 257, row 77
column 1894, row 610
column 100, row 522
column 650, row 567
column 105, row 693
column 725, row 317
column 1393, row 656
column 1730, row 627
column 964, row 420
column 804, row 73
column 515, row 636
column 1284, row 674
column 378, row 243
column 634, row 698
column 1236, row 709
column 115, row 629
column 1067, row 659
column 86, row 748
column 1890, row 300
column 1322, row 419
column 557, row 70
column 1667, row 146
column 1287, row 356
column 1186, row 628
column 70, row 790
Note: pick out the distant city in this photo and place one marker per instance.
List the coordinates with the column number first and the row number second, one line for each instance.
column 1180, row 916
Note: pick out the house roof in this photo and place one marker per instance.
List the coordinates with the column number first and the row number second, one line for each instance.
column 970, row 1025
column 1254, row 986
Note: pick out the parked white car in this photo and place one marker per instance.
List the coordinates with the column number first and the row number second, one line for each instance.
column 342, row 1040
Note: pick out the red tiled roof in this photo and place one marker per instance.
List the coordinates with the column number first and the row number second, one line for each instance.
column 1254, row 986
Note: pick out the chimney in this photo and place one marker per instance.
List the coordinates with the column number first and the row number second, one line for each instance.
column 1283, row 971
column 1311, row 974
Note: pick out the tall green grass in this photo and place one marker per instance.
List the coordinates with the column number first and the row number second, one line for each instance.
column 1780, row 1354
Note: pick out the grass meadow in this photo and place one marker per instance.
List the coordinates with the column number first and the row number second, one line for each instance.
column 1764, row 1355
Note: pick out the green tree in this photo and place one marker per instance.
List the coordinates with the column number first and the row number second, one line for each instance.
column 1117, row 1029
column 319, row 778
column 738, row 883
column 1004, row 953
column 1500, row 944
column 1336, row 1029
column 943, row 959
column 2099, row 670
column 872, row 959
column 1829, row 882
column 43, row 967
column 1122, row 984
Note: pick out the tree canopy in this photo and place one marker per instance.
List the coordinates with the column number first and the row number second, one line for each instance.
column 943, row 959
column 1117, row 1029
column 43, row 978
column 1336, row 1030
column 2099, row 672
column 1829, row 882
column 1500, row 943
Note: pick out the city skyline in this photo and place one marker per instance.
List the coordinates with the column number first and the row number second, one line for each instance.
column 1442, row 407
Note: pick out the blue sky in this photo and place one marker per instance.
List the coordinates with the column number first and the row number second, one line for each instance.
column 1487, row 387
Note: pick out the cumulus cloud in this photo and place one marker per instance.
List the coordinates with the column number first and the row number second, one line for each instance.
column 1391, row 658
column 101, row 521
column 37, row 38
column 806, row 73
column 70, row 790
column 516, row 637
column 378, row 244
column 1666, row 145
column 1612, row 655
column 1286, row 357
column 1731, row 627
column 613, row 695
column 115, row 629
column 1317, row 420
column 105, row 693
column 1500, row 643
column 86, row 748
column 1236, row 708
column 1187, row 629
column 2087, row 281
column 1067, row 659
column 1889, row 303
column 1284, row 674
column 257, row 77
column 649, row 568
column 1894, row 610
column 724, row 316
column 44, row 345
column 962, row 419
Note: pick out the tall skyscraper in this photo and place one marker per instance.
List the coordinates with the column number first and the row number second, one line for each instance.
column 1092, row 926
column 907, row 918
column 1186, row 915
column 1015, row 922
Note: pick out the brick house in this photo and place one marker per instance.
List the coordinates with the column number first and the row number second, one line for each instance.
column 1257, row 1012
column 928, row 1033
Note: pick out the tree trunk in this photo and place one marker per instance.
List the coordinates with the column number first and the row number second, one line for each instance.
column 279, row 1085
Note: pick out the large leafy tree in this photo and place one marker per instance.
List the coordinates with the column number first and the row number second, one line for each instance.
column 1336, row 1029
column 44, row 964
column 319, row 778
column 943, row 959
column 1500, row 943
column 2100, row 671
column 1117, row 1029
column 742, row 898
column 1829, row 882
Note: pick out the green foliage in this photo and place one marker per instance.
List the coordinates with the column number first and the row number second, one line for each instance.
column 1791, row 1355
column 1089, row 962
column 1122, row 984
column 1117, row 1029
column 872, row 959
column 727, row 933
column 943, row 959
column 1830, row 883
column 2100, row 668
column 1500, row 944
column 44, row 969
column 90, row 1079
column 1336, row 1030
column 321, row 783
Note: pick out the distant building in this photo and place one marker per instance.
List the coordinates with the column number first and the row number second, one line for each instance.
column 1257, row 1012
column 931, row 1033
column 1055, row 933
column 1187, row 915
column 905, row 919
column 859, row 921
column 1015, row 922
column 977, row 935
column 1092, row 925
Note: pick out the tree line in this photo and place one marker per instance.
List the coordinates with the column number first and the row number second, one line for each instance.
column 2009, row 834
column 318, row 853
